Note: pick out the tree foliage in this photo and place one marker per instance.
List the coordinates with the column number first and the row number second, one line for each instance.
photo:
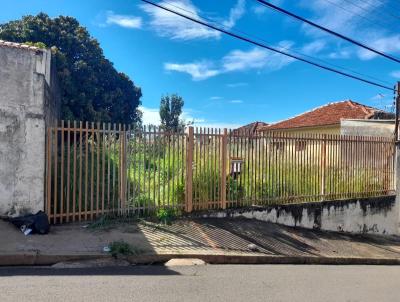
column 91, row 88
column 170, row 112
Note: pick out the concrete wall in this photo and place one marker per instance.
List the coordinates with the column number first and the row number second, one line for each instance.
column 379, row 215
column 381, row 128
column 28, row 100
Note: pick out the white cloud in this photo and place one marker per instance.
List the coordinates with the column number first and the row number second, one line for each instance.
column 235, row 14
column 151, row 116
column 167, row 24
column 340, row 54
column 388, row 44
column 238, row 60
column 256, row 58
column 259, row 9
column 234, row 61
column 332, row 15
column 126, row 21
column 198, row 70
column 313, row 47
column 395, row 74
column 236, row 101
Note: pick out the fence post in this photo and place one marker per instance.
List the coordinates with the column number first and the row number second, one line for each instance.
column 122, row 171
column 223, row 167
column 189, row 170
column 323, row 166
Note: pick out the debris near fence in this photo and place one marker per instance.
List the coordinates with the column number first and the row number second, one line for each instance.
column 32, row 224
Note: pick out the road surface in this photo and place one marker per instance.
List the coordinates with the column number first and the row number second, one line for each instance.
column 203, row 283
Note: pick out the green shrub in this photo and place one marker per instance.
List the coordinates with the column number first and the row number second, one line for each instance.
column 123, row 248
column 166, row 215
column 205, row 184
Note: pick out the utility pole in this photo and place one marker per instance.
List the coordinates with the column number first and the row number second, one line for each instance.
column 397, row 104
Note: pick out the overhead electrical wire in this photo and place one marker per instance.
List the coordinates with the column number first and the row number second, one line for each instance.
column 371, row 21
column 281, row 48
column 334, row 33
column 380, row 7
column 356, row 4
column 243, row 38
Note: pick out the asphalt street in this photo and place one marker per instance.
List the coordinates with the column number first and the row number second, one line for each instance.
column 202, row 283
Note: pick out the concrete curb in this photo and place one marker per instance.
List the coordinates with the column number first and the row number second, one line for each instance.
column 31, row 259
column 41, row 259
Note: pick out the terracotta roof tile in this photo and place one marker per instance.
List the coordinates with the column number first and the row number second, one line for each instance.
column 329, row 114
column 252, row 127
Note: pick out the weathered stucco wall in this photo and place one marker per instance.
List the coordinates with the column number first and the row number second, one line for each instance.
column 379, row 215
column 27, row 101
column 380, row 128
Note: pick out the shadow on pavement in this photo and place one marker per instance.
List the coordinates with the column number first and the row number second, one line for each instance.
column 151, row 270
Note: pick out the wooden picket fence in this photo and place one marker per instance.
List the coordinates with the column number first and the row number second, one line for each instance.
column 94, row 168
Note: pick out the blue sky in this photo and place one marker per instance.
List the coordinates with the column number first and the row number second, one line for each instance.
column 227, row 82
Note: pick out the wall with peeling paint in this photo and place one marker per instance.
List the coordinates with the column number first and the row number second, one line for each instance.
column 379, row 215
column 28, row 101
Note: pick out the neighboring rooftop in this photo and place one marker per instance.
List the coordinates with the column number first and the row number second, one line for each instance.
column 252, row 127
column 330, row 114
column 19, row 45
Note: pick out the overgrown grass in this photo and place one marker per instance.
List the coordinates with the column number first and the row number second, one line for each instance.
column 122, row 248
column 167, row 215
column 109, row 221
column 156, row 175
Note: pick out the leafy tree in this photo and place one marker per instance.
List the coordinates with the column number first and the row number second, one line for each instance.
column 170, row 112
column 91, row 88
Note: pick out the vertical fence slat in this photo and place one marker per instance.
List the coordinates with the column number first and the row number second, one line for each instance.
column 103, row 166
column 223, row 168
column 86, row 172
column 323, row 166
column 55, row 199
column 68, row 169
column 62, row 174
column 74, row 173
column 161, row 153
column 189, row 170
column 96, row 139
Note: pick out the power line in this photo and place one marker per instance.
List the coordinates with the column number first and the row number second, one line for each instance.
column 384, row 11
column 371, row 21
column 229, row 33
column 367, row 11
column 283, row 11
column 281, row 48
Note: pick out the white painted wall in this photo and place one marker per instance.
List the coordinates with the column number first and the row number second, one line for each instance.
column 370, row 215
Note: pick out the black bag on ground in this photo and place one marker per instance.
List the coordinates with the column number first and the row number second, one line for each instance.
column 39, row 222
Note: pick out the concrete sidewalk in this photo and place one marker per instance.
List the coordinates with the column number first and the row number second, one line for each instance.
column 213, row 240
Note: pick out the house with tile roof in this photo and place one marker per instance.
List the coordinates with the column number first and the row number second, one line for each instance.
column 251, row 128
column 327, row 119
